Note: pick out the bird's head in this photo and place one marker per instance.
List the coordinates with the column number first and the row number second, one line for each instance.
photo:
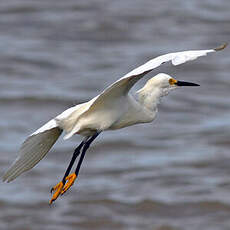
column 166, row 83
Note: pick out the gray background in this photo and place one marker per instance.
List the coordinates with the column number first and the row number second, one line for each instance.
column 172, row 174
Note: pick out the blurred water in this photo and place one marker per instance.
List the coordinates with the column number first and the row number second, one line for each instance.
column 173, row 174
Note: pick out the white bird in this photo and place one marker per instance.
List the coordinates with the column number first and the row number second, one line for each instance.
column 114, row 108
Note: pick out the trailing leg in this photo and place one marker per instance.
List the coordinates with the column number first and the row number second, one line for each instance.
column 72, row 177
column 57, row 189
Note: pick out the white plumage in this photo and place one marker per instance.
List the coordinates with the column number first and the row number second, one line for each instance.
column 32, row 151
column 113, row 109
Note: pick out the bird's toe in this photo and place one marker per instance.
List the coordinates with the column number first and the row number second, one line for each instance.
column 57, row 191
column 70, row 181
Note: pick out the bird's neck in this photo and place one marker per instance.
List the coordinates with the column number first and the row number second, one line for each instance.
column 150, row 98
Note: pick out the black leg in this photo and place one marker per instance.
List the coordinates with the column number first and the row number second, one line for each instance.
column 62, row 186
column 76, row 153
column 85, row 147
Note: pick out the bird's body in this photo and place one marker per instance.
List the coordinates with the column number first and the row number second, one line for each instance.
column 119, row 113
column 113, row 109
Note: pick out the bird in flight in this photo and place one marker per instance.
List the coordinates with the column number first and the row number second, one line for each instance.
column 113, row 109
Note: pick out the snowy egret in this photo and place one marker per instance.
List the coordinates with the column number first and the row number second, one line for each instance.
column 114, row 108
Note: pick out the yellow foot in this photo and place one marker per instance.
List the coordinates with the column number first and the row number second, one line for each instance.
column 57, row 191
column 71, row 178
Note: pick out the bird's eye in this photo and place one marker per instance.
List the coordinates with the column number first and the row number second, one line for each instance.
column 172, row 81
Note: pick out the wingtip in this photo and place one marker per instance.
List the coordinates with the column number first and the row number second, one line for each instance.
column 221, row 47
column 5, row 179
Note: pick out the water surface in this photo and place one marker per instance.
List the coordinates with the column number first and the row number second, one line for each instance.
column 172, row 174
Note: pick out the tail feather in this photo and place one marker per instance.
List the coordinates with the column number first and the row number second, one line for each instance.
column 33, row 150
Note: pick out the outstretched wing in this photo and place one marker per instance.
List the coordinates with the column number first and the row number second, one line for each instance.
column 34, row 148
column 124, row 84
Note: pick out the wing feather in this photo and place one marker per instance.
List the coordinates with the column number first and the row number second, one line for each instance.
column 124, row 84
column 34, row 148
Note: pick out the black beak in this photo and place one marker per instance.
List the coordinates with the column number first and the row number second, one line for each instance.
column 184, row 83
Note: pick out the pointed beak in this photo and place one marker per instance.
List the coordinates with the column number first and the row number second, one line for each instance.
column 184, row 83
